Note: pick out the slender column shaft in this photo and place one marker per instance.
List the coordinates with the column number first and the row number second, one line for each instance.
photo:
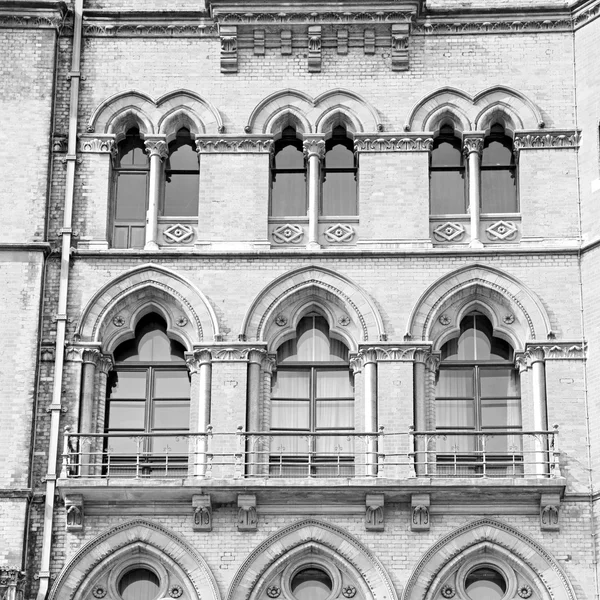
column 200, row 368
column 158, row 150
column 88, row 374
column 420, row 411
column 473, row 148
column 540, row 415
column 253, row 424
column 314, row 150
column 370, row 375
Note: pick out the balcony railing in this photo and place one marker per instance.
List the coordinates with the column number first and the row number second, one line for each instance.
column 275, row 455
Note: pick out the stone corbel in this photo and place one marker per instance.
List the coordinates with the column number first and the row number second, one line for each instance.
column 229, row 52
column 247, row 519
column 374, row 515
column 74, row 512
column 400, row 47
column 314, row 49
column 202, row 512
column 420, row 518
column 550, row 512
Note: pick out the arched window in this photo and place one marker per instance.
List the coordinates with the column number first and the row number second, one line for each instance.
column 182, row 176
column 447, row 174
column 339, row 176
column 130, row 192
column 498, row 173
column 288, row 177
column 478, row 391
column 148, row 403
column 312, row 394
column 139, row 584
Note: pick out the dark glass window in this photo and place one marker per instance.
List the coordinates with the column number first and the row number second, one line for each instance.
column 447, row 174
column 131, row 192
column 339, row 176
column 478, row 390
column 311, row 584
column 485, row 584
column 148, row 392
column 288, row 177
column 182, row 177
column 498, row 173
column 139, row 584
column 313, row 393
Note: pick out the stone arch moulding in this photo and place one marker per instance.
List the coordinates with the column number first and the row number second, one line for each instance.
column 149, row 541
column 106, row 118
column 316, row 112
column 112, row 313
column 280, row 304
column 498, row 99
column 318, row 539
column 483, row 538
column 517, row 314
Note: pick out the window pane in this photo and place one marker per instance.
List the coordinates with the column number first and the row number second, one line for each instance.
column 485, row 584
column 289, row 157
column 170, row 415
column 498, row 191
column 184, row 159
column 128, row 445
column 339, row 194
column 455, row 414
column 446, row 154
column 131, row 197
column 288, row 195
column 499, row 383
column 334, row 384
column 455, row 383
column 290, row 414
column 154, row 345
column 291, row 384
column 311, row 584
column 138, row 237
column 181, row 195
column 129, row 384
column 121, row 237
column 447, row 192
column 126, row 415
column 171, row 384
column 339, row 157
column 501, row 413
column 497, row 152
column 139, row 584
column 335, row 414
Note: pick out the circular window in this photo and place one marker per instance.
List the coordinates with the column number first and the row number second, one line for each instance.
column 139, row 584
column 485, row 584
column 311, row 584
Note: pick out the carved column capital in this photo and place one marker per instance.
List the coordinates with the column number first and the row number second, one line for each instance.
column 257, row 356
column 432, row 362
column 535, row 354
column 194, row 360
column 106, row 364
column 269, row 364
column 90, row 356
column 157, row 147
column 314, row 146
column 473, row 143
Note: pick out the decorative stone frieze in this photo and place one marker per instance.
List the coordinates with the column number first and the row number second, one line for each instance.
column 223, row 353
column 532, row 140
column 202, row 519
column 400, row 46
column 502, row 231
column 32, row 17
column 413, row 142
column 229, row 48
column 490, row 25
column 392, row 353
column 374, row 515
column 339, row 233
column 555, row 350
column 247, row 519
column 321, row 17
column 179, row 234
column 131, row 27
column 314, row 49
column 74, row 512
column 255, row 144
column 97, row 144
column 450, row 231
column 420, row 518
column 550, row 512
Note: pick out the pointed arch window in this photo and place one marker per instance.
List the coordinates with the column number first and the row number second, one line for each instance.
column 447, row 191
column 477, row 390
column 339, row 196
column 498, row 173
column 130, row 192
column 148, row 398
column 182, row 177
column 313, row 397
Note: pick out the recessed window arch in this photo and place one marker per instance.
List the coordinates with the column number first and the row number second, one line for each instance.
column 339, row 194
column 478, row 390
column 148, row 404
column 182, row 177
column 498, row 173
column 131, row 171
column 312, row 393
column 447, row 191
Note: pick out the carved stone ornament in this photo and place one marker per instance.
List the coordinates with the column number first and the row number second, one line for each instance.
column 420, row 520
column 118, row 321
column 201, row 504
column 314, row 49
column 74, row 509
column 550, row 512
column 288, row 234
column 176, row 591
column 273, row 591
column 509, row 319
column 229, row 47
column 181, row 321
column 374, row 516
column 344, row 320
column 179, row 234
column 503, row 231
column 548, row 139
column 339, row 233
column 97, row 145
column 247, row 519
column 239, row 144
column 99, row 592
column 314, row 147
column 448, row 591
column 281, row 320
column 157, row 148
column 400, row 47
column 455, row 26
column 385, row 143
column 349, row 591
column 525, row 591
column 449, row 232
column 473, row 144
column 444, row 320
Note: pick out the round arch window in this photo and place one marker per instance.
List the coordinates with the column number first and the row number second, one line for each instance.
column 311, row 584
column 485, row 583
column 139, row 584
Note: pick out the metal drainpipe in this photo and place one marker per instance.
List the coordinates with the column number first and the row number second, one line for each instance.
column 61, row 317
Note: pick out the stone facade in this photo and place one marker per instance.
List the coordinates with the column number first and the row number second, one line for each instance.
column 396, row 510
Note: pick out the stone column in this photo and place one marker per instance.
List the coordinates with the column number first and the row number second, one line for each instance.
column 314, row 151
column 255, row 360
column 369, row 361
column 158, row 150
column 90, row 358
column 420, row 408
column 473, row 149
column 536, row 358
column 200, row 366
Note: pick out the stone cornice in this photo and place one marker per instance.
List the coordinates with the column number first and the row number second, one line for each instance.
column 234, row 352
column 392, row 352
column 244, row 144
column 136, row 26
column 315, row 17
column 403, row 142
column 546, row 138
column 556, row 350
column 33, row 15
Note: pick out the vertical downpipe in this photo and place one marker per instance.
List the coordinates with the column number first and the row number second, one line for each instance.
column 61, row 317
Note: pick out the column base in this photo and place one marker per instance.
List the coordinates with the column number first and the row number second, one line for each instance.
column 313, row 246
column 151, row 246
column 475, row 244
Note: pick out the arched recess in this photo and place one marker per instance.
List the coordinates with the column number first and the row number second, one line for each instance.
column 492, row 543
column 523, row 112
column 326, row 545
column 106, row 116
column 315, row 114
column 98, row 563
column 275, row 312
column 112, row 313
column 516, row 312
